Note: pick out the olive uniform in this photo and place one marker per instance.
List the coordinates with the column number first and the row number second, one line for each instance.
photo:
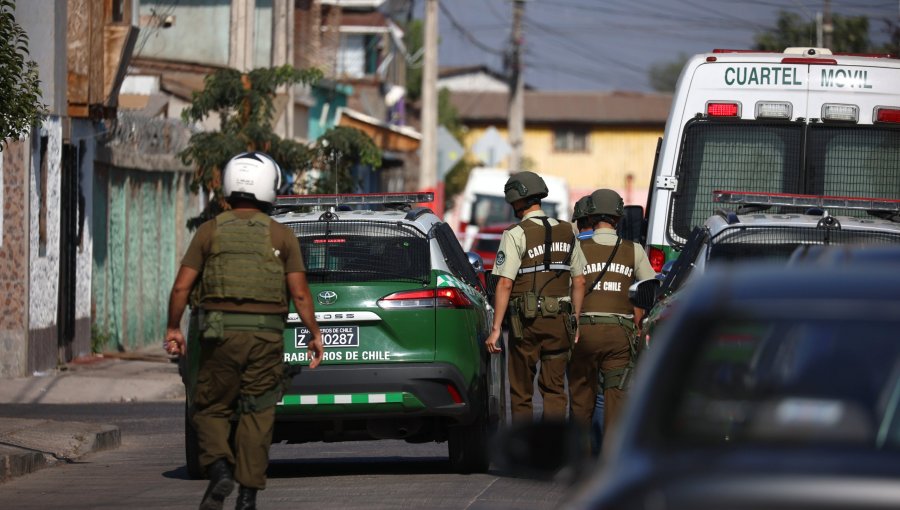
column 243, row 257
column 606, row 342
column 540, row 255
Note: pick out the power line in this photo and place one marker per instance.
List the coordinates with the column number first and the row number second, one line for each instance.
column 466, row 33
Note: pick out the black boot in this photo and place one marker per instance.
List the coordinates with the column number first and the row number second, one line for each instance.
column 246, row 499
column 220, row 485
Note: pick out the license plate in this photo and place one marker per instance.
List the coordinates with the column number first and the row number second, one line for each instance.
column 332, row 336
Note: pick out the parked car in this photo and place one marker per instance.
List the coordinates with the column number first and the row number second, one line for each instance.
column 768, row 387
column 403, row 316
column 772, row 227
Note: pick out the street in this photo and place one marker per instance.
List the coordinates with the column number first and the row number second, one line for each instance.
column 147, row 471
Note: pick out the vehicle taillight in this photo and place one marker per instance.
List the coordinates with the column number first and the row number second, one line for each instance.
column 720, row 109
column 773, row 110
column 657, row 258
column 448, row 297
column 454, row 394
column 883, row 114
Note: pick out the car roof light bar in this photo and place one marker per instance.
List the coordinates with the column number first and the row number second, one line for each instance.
column 352, row 199
column 790, row 199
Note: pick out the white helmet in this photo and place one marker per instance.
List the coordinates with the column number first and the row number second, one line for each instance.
column 252, row 175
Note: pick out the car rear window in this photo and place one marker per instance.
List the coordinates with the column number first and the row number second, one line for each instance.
column 363, row 251
column 778, row 242
column 770, row 381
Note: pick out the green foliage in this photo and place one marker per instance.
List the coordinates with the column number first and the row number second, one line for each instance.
column 664, row 75
column 20, row 106
column 851, row 34
column 414, row 39
column 892, row 29
column 335, row 152
column 99, row 338
column 245, row 106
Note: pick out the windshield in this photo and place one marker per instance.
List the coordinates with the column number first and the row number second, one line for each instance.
column 764, row 380
column 839, row 160
column 493, row 210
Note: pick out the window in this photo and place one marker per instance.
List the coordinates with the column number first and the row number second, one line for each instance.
column 570, row 140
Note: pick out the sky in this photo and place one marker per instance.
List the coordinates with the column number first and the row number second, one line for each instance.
column 611, row 44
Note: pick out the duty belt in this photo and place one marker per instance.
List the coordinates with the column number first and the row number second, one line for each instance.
column 606, row 319
column 247, row 321
column 541, row 268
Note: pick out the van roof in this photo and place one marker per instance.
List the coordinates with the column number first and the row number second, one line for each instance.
column 800, row 55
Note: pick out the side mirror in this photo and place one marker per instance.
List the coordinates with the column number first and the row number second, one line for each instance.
column 643, row 293
column 475, row 260
column 631, row 225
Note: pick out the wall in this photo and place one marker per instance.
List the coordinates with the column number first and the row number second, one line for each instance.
column 44, row 271
column 138, row 220
column 45, row 23
column 614, row 153
column 14, row 260
column 84, row 137
column 201, row 25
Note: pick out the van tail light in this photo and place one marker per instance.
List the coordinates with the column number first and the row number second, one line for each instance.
column 723, row 109
column 657, row 258
column 883, row 114
column 773, row 110
column 445, row 297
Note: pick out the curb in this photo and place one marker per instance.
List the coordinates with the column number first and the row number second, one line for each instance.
column 29, row 445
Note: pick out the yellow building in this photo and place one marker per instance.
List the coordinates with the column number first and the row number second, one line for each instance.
column 592, row 139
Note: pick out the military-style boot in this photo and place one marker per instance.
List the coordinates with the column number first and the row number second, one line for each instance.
column 220, row 485
column 246, row 499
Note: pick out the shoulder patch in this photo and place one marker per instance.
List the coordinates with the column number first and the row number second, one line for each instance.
column 501, row 258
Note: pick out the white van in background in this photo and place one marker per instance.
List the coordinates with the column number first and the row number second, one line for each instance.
column 803, row 122
column 482, row 203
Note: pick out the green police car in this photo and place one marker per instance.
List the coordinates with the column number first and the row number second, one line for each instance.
column 403, row 317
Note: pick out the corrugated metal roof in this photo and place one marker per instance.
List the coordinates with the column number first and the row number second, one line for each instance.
column 575, row 107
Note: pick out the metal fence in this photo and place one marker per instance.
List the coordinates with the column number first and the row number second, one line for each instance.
column 746, row 243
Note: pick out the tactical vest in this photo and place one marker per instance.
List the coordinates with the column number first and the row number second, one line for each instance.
column 242, row 264
column 549, row 277
column 611, row 293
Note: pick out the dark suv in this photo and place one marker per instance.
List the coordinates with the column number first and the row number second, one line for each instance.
column 403, row 316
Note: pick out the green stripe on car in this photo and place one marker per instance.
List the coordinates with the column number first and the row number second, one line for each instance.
column 346, row 398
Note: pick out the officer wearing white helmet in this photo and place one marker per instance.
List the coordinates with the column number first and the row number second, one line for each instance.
column 537, row 261
column 246, row 267
column 606, row 342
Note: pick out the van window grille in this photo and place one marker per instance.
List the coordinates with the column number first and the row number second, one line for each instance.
column 363, row 251
column 739, row 244
column 745, row 156
column 839, row 160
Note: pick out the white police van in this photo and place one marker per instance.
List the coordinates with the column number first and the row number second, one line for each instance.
column 805, row 122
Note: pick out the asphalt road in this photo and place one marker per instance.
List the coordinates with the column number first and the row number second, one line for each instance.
column 147, row 471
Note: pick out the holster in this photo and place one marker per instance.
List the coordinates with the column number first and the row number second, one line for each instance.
column 514, row 316
column 529, row 305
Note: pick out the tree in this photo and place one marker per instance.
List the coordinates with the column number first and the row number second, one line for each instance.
column 244, row 103
column 664, row 75
column 20, row 106
column 851, row 34
column 414, row 39
column 892, row 29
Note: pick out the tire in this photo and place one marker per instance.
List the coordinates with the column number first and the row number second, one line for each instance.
column 468, row 447
column 191, row 448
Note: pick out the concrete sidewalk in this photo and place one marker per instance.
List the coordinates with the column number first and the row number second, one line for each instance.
column 27, row 445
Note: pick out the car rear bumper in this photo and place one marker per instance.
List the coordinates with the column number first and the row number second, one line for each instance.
column 378, row 391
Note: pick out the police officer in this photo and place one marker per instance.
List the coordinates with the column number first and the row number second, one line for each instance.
column 606, row 341
column 247, row 267
column 535, row 264
column 586, row 231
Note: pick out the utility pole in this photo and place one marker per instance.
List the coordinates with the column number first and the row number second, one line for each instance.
column 827, row 26
column 240, row 41
column 516, row 117
column 428, row 150
column 282, row 53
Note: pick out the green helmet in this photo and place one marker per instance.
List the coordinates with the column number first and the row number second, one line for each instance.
column 606, row 202
column 524, row 185
column 581, row 208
